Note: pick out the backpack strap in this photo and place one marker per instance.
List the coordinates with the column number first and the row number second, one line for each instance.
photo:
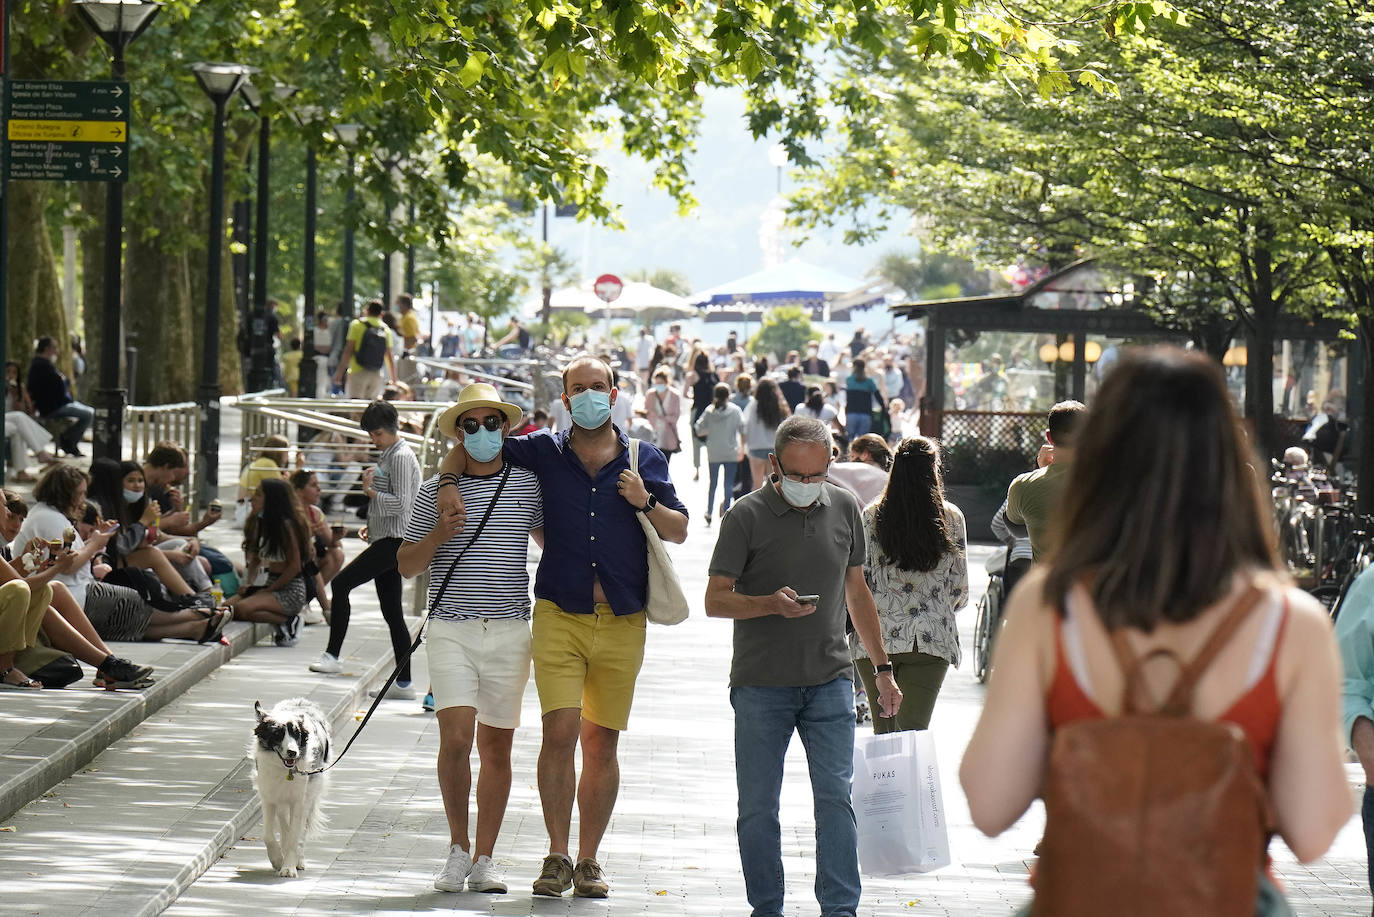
column 1180, row 699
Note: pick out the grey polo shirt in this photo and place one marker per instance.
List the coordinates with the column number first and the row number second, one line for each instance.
column 765, row 543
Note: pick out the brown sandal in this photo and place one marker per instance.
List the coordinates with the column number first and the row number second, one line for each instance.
column 13, row 678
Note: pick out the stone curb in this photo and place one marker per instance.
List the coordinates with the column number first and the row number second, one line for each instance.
column 58, row 759
column 234, row 805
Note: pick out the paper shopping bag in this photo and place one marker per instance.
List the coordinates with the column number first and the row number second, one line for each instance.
column 898, row 804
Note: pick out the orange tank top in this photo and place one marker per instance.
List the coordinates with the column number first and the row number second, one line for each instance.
column 1256, row 712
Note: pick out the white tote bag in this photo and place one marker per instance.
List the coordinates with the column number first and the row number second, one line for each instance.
column 666, row 603
column 898, row 804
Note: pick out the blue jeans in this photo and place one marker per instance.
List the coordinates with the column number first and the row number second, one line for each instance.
column 219, row 564
column 730, row 469
column 856, row 425
column 83, row 413
column 765, row 718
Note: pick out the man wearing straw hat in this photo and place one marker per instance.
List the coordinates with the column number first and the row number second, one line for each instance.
column 478, row 641
column 590, row 592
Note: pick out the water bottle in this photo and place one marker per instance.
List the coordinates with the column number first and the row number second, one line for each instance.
column 217, row 592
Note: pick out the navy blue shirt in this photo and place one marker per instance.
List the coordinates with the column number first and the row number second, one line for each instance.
column 590, row 530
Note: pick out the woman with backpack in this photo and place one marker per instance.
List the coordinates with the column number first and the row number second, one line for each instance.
column 1160, row 682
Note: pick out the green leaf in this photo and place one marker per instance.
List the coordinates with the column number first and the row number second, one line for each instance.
column 472, row 70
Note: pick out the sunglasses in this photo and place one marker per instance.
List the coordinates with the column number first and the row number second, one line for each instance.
column 471, row 425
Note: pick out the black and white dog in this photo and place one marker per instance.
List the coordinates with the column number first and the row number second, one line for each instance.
column 290, row 745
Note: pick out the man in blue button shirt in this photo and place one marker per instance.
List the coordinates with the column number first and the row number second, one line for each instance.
column 590, row 592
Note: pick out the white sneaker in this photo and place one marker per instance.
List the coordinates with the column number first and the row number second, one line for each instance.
column 397, row 691
column 483, row 877
column 327, row 665
column 313, row 615
column 455, row 871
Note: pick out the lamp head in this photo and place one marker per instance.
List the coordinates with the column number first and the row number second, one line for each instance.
column 251, row 96
column 219, row 80
column 117, row 22
column 347, row 133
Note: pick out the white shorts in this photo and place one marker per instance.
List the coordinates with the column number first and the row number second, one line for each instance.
column 481, row 664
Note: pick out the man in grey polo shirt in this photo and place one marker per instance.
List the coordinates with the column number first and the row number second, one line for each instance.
column 788, row 562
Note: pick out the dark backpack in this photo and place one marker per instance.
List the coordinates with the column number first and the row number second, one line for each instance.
column 1154, row 813
column 371, row 352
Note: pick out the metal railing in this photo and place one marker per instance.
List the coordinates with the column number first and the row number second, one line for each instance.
column 530, row 383
column 323, row 436
column 146, row 425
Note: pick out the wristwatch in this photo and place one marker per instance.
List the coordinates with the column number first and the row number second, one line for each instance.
column 653, row 501
column 880, row 669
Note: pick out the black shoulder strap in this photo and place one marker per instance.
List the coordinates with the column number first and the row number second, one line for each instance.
column 419, row 637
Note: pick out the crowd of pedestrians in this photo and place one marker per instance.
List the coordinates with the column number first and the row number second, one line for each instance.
column 838, row 560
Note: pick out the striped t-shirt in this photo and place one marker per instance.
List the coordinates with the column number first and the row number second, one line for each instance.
column 492, row 579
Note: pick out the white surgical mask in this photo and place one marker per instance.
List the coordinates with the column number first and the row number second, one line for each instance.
column 132, row 496
column 801, row 495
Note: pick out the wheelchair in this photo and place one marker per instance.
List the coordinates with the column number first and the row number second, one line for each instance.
column 990, row 610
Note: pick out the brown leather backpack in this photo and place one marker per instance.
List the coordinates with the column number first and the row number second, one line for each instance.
column 1154, row 813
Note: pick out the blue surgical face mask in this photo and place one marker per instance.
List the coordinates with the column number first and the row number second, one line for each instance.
column 132, row 496
column 660, row 387
column 801, row 495
column 482, row 446
column 590, row 409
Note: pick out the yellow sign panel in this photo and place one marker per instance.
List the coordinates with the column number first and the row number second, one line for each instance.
column 70, row 131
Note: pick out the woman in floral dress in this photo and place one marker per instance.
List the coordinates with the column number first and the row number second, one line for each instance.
column 917, row 570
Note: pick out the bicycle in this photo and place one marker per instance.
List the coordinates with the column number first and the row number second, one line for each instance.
column 1355, row 556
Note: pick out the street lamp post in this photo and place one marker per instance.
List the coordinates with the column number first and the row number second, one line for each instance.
column 220, row 82
column 118, row 23
column 309, row 385
column 348, row 136
column 260, row 368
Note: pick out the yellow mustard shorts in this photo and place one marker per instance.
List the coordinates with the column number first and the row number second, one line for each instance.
column 587, row 661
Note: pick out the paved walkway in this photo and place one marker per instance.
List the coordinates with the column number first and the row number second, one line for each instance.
column 129, row 834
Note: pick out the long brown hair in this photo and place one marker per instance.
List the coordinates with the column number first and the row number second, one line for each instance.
column 1164, row 505
column 772, row 410
column 282, row 519
column 909, row 521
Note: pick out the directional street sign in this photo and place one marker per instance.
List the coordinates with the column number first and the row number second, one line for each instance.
column 66, row 130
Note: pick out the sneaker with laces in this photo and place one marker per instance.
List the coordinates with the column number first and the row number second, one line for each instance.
column 455, row 870
column 428, row 702
column 483, row 877
column 588, row 879
column 556, row 876
column 313, row 615
column 115, row 673
column 398, row 691
column 327, row 665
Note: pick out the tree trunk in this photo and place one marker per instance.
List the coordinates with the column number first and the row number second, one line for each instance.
column 33, row 291
column 1259, row 368
column 92, row 245
column 1364, row 480
column 159, row 314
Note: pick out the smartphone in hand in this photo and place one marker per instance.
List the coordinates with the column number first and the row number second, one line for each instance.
column 808, row 599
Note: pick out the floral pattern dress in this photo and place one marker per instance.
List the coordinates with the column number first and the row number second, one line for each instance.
column 916, row 608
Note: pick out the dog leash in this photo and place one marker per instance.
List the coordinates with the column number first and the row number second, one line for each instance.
column 419, row 637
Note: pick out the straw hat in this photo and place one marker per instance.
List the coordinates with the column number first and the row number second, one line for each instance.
column 477, row 395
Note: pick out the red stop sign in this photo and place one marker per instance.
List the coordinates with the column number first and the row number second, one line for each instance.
column 608, row 287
